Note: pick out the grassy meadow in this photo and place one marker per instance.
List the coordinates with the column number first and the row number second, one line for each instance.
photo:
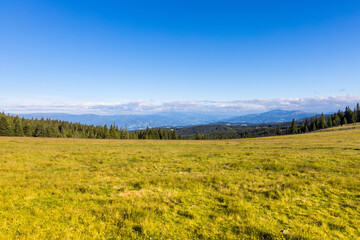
column 289, row 187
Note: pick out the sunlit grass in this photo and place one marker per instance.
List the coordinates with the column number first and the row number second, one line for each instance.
column 290, row 187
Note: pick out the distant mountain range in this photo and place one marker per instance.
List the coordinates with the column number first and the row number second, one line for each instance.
column 273, row 116
column 132, row 122
column 172, row 119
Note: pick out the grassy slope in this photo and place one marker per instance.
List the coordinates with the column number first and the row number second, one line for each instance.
column 307, row 184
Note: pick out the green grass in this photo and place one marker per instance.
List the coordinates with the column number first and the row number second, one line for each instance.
column 307, row 185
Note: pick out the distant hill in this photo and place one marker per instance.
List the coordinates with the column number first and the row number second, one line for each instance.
column 172, row 119
column 274, row 116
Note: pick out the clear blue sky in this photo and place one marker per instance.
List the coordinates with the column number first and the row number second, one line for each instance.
column 72, row 51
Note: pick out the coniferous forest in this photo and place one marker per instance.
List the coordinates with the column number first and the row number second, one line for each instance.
column 15, row 126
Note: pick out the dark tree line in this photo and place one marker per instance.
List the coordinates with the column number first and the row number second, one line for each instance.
column 336, row 119
column 15, row 126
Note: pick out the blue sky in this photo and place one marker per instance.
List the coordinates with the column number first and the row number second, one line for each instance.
column 78, row 53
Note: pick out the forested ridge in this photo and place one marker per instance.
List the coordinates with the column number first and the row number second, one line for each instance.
column 262, row 130
column 16, row 126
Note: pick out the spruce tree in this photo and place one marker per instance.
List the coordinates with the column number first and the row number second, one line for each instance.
column 322, row 123
column 5, row 128
column 293, row 126
column 18, row 131
column 28, row 130
column 174, row 135
column 313, row 127
column 330, row 121
column 336, row 120
column 127, row 134
column 40, row 130
column 306, row 125
column 345, row 121
column 349, row 115
column 112, row 131
column 106, row 133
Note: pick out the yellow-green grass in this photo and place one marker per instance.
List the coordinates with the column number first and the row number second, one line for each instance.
column 289, row 187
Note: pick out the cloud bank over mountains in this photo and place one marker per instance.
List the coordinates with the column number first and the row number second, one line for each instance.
column 238, row 107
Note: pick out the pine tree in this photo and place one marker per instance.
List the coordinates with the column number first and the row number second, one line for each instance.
column 106, row 133
column 349, row 115
column 322, row 123
column 336, row 120
column 306, row 129
column 293, row 127
column 40, row 130
column 174, row 134
column 5, row 128
column 127, row 134
column 51, row 131
column 330, row 121
column 313, row 121
column 28, row 130
column 112, row 131
column 18, row 131
column 70, row 133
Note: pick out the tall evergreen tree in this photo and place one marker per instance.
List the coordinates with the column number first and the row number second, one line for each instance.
column 322, row 123
column 293, row 127
column 306, row 125
column 336, row 120
column 174, row 134
column 5, row 128
column 28, row 129
column 349, row 115
column 330, row 121
column 112, row 131
column 18, row 130
column 40, row 130
column 341, row 116
column 106, row 133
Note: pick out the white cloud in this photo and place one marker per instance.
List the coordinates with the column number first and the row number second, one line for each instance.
column 238, row 107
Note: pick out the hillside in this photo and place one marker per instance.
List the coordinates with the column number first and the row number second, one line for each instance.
column 302, row 186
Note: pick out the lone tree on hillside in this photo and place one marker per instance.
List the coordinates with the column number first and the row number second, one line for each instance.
column 293, row 127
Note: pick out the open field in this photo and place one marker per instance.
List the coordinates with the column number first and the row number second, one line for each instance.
column 307, row 185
